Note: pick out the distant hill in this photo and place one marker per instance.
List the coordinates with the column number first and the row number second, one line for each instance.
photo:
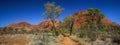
column 21, row 25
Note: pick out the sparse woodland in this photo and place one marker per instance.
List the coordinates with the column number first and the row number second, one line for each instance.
column 88, row 33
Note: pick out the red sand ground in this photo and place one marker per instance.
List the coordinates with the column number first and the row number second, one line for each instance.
column 68, row 41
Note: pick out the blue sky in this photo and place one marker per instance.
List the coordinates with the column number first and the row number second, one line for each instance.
column 13, row 11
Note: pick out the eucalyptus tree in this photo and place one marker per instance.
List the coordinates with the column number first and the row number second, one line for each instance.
column 69, row 22
column 95, row 17
column 99, row 15
column 52, row 12
column 83, row 32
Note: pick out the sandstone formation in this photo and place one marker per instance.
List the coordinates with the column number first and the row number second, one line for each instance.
column 47, row 24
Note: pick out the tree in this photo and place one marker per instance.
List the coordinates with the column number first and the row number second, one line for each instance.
column 95, row 17
column 69, row 22
column 83, row 31
column 52, row 12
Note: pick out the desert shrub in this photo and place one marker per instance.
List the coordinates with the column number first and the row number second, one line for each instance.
column 1, row 30
column 64, row 31
column 31, row 32
column 39, row 44
column 82, row 33
column 23, row 31
column 119, row 32
column 10, row 31
column 16, row 32
column 116, row 40
column 46, row 31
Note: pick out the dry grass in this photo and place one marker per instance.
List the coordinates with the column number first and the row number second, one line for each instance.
column 13, row 40
column 30, row 39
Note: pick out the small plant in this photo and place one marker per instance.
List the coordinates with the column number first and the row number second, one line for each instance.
column 65, row 31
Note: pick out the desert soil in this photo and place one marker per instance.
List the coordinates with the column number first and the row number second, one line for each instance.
column 68, row 41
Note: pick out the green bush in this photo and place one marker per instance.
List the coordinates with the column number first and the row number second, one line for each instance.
column 64, row 31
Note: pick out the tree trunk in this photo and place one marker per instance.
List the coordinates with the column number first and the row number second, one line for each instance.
column 71, row 28
column 53, row 27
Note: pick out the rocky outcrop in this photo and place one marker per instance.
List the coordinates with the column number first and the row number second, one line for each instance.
column 106, row 21
column 80, row 18
column 47, row 24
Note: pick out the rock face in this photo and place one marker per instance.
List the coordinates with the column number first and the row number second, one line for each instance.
column 106, row 21
column 81, row 18
column 47, row 24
